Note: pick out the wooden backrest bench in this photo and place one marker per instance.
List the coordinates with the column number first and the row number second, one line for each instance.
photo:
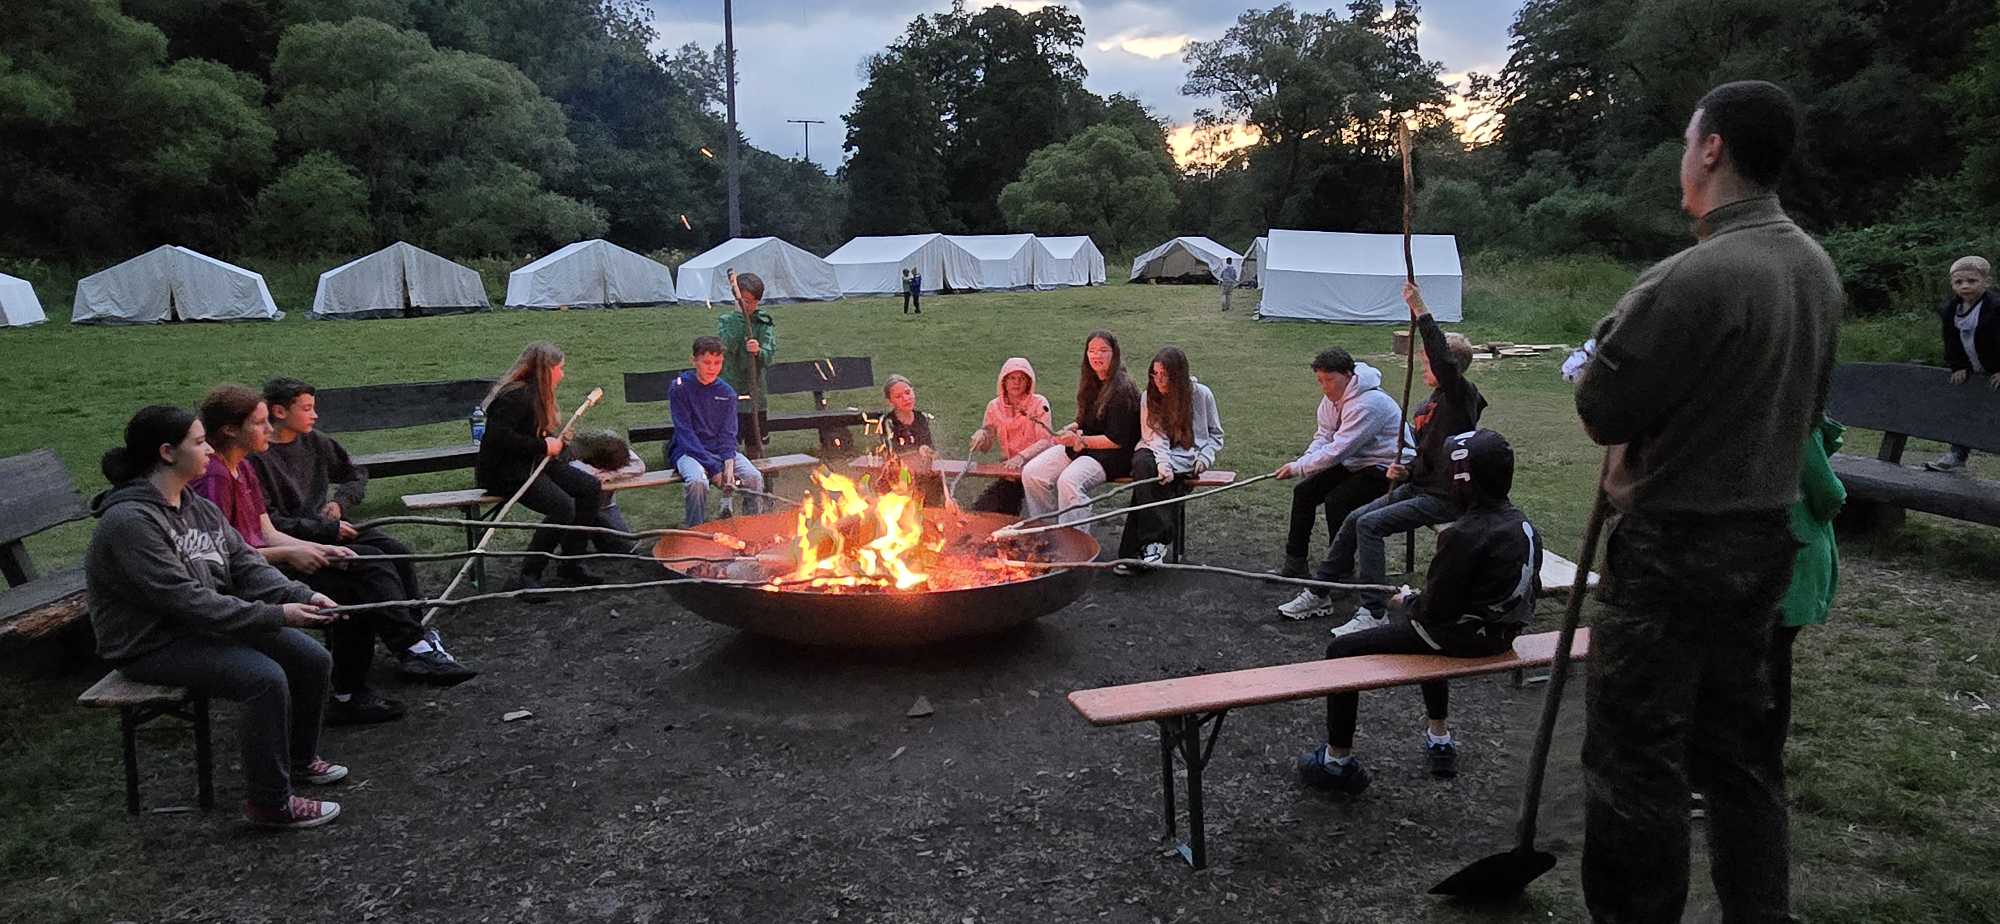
column 36, row 495
column 362, row 408
column 814, row 376
column 1902, row 401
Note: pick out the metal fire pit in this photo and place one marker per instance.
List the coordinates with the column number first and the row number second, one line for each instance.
column 877, row 619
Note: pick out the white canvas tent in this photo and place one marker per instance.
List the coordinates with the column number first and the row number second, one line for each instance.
column 590, row 274
column 169, row 282
column 18, row 305
column 1184, row 259
column 400, row 280
column 789, row 274
column 1339, row 276
column 1067, row 261
column 875, row 265
column 1252, row 259
column 989, row 261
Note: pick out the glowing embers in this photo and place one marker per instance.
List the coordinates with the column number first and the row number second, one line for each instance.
column 850, row 535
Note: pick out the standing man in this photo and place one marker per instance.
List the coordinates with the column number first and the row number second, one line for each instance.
column 1227, row 280
column 1705, row 380
column 916, row 286
column 749, row 341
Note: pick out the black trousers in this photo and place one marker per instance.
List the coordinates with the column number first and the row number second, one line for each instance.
column 351, row 641
column 1681, row 692
column 566, row 497
column 1004, row 495
column 1156, row 525
column 1337, row 492
column 1398, row 637
column 906, row 301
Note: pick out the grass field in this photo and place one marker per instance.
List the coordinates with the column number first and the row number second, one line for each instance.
column 1892, row 764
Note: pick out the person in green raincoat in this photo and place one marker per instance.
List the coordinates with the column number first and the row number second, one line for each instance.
column 1816, row 570
column 747, row 330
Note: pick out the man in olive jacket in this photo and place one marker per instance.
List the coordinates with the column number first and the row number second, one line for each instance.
column 1705, row 380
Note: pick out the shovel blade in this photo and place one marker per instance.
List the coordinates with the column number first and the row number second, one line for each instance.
column 1502, row 875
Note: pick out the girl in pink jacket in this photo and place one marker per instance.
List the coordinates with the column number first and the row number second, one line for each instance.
column 1017, row 419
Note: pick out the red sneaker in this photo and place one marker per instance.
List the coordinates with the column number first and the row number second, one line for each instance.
column 297, row 813
column 319, row 773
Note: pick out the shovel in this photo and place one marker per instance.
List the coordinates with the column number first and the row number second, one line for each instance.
column 1504, row 875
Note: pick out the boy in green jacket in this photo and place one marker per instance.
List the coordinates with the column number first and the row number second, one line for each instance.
column 747, row 331
column 1816, row 570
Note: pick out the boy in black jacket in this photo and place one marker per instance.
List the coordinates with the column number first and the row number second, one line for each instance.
column 1478, row 595
column 1422, row 493
column 1971, row 319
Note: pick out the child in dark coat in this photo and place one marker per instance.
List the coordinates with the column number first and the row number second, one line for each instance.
column 1971, row 318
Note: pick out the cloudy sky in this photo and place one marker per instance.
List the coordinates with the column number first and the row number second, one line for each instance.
column 800, row 59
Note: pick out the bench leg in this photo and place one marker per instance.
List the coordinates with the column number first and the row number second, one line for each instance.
column 1180, row 532
column 1410, row 552
column 471, row 512
column 128, row 728
column 1182, row 736
column 204, row 758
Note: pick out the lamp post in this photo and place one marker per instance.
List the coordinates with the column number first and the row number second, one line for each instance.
column 729, row 54
column 807, row 124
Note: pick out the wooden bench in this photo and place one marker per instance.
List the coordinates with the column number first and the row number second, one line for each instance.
column 1903, row 401
column 473, row 503
column 139, row 703
column 36, row 494
column 951, row 468
column 363, row 408
column 1182, row 706
column 815, row 377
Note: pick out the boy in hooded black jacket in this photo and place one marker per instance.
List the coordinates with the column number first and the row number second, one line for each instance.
column 1479, row 593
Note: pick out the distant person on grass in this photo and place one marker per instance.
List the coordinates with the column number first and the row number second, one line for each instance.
column 1094, row 448
column 1971, row 338
column 310, row 484
column 1422, row 493
column 914, row 287
column 1706, row 380
column 1478, row 594
column 523, row 427
column 1017, row 420
column 1347, row 463
column 238, row 425
column 177, row 598
column 906, row 291
column 1226, row 279
column 703, row 408
column 749, row 339
column 1180, row 433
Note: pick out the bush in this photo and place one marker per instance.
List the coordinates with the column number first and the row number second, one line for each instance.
column 1902, row 265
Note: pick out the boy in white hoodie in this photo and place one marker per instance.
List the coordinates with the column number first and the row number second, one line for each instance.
column 1347, row 463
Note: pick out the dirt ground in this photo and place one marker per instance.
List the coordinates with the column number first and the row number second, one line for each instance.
column 675, row 770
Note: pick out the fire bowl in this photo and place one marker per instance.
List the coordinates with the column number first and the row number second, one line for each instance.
column 878, row 619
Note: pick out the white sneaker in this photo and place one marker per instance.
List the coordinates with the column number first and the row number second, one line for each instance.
column 1363, row 620
column 1155, row 553
column 1945, row 463
column 1307, row 605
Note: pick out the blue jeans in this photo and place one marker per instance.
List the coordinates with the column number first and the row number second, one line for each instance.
column 695, row 481
column 1360, row 549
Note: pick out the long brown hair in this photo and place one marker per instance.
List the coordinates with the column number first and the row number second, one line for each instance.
column 1172, row 413
column 1093, row 394
column 534, row 369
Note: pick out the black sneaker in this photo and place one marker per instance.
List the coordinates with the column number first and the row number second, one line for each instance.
column 1319, row 773
column 363, row 708
column 574, row 575
column 527, row 582
column 1294, row 567
column 1442, row 757
column 434, row 666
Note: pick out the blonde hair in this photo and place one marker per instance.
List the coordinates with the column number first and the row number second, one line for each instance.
column 895, row 380
column 1975, row 264
column 534, row 369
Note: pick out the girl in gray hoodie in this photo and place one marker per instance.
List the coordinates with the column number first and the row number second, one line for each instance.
column 177, row 598
column 1180, row 431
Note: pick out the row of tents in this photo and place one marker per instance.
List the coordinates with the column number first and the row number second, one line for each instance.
column 1321, row 275
column 403, row 280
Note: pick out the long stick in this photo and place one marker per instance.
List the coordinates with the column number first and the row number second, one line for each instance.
column 1086, row 502
column 1012, row 533
column 1409, row 275
column 547, row 556
column 1141, row 565
column 723, row 538
column 442, row 603
column 589, row 401
column 1531, row 798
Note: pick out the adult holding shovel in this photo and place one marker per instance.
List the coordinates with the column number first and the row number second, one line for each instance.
column 1700, row 472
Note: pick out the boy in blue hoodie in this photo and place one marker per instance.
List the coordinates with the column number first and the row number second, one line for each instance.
column 704, row 450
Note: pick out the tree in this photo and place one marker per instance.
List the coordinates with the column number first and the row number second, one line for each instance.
column 1104, row 183
column 896, row 175
column 315, row 206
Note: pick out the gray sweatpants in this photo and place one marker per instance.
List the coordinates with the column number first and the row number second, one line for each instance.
column 281, row 678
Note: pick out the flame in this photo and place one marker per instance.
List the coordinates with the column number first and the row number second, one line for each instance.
column 850, row 536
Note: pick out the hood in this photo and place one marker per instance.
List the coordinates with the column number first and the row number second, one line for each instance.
column 1832, row 435
column 1482, row 468
column 1013, row 364
column 1366, row 378
column 136, row 491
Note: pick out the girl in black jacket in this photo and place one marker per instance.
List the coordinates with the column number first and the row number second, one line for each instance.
column 521, row 430
column 1971, row 321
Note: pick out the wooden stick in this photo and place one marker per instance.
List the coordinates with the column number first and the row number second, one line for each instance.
column 1265, row 576
column 723, row 538
column 1410, row 276
column 1013, row 533
column 739, row 489
column 442, row 603
column 1086, row 502
column 589, row 401
column 552, row 556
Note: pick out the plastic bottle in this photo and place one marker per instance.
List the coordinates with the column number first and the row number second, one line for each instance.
column 478, row 424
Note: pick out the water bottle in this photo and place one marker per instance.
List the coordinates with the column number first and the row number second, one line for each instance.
column 478, row 424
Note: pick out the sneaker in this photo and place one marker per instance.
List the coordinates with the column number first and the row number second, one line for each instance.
column 1307, row 605
column 1363, row 620
column 363, row 708
column 1294, row 567
column 1442, row 757
column 1156, row 553
column 575, row 575
column 525, row 581
column 297, row 813
column 1317, row 771
column 1123, row 570
column 320, row 772
column 433, row 666
column 1945, row 463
